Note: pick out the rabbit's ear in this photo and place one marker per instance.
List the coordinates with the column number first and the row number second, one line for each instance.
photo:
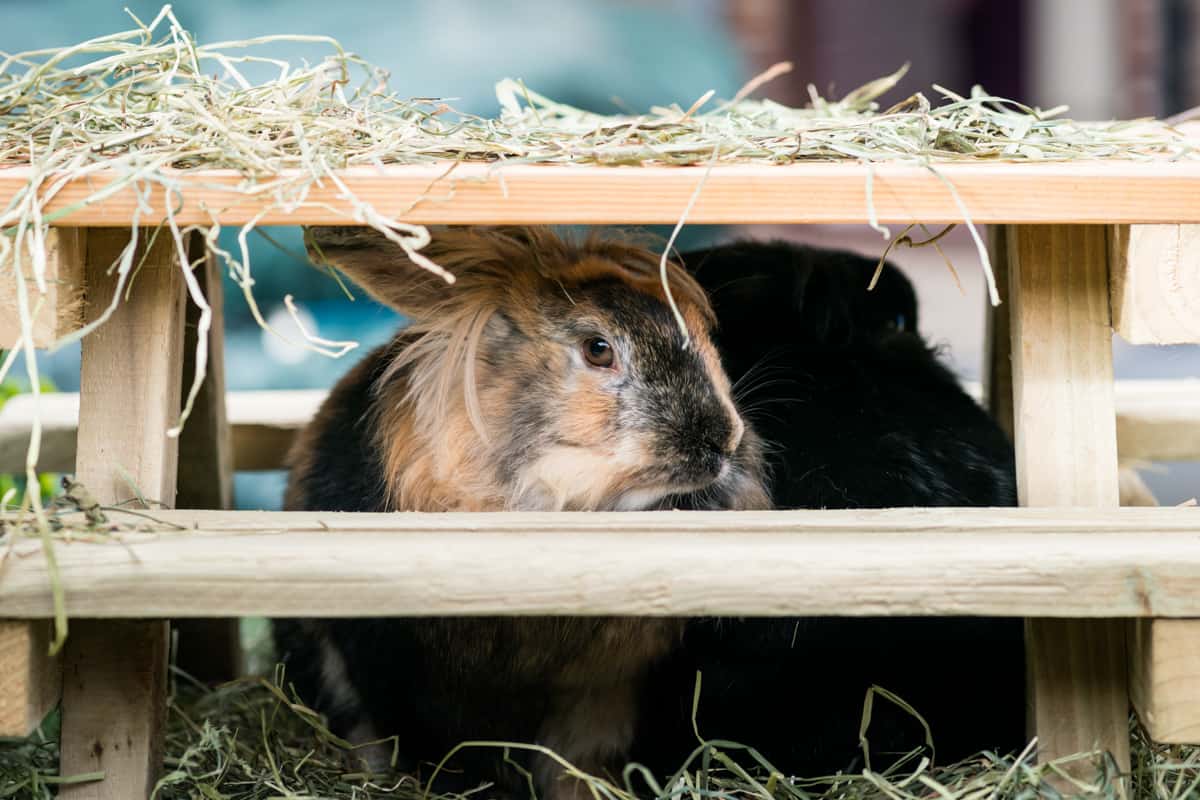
column 376, row 263
column 480, row 257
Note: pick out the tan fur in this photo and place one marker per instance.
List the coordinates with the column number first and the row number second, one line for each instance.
column 435, row 462
column 438, row 419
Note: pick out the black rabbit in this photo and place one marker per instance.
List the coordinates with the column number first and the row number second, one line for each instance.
column 856, row 411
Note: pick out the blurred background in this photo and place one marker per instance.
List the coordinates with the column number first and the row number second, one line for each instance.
column 1105, row 58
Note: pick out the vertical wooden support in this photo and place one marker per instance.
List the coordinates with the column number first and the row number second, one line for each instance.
column 207, row 649
column 58, row 311
column 1066, row 446
column 1156, row 283
column 114, row 673
column 30, row 680
column 1155, row 276
column 1164, row 678
column 997, row 337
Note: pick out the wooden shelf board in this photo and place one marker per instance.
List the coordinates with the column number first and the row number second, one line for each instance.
column 1135, row 562
column 1106, row 192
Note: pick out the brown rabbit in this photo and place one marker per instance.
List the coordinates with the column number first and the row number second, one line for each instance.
column 550, row 376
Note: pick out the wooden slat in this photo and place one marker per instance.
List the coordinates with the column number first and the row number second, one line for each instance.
column 30, row 681
column 264, row 423
column 114, row 674
column 1066, row 448
column 1157, row 420
column 1082, row 192
column 1031, row 562
column 57, row 311
column 1156, row 283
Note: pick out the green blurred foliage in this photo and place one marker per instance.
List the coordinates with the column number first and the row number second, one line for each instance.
column 48, row 482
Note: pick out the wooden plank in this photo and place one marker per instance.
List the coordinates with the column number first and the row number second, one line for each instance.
column 1156, row 283
column 59, row 310
column 1100, row 192
column 1157, row 420
column 1005, row 562
column 1164, row 678
column 1066, row 445
column 114, row 687
column 208, row 650
column 264, row 424
column 30, row 681
column 997, row 390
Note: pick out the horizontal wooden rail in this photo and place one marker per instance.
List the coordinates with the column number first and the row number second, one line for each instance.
column 1103, row 192
column 1021, row 562
column 1156, row 421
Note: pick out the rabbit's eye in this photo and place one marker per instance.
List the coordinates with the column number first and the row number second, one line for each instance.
column 898, row 324
column 598, row 352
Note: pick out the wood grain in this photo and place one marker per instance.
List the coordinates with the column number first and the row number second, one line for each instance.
column 1156, row 283
column 1014, row 562
column 30, row 681
column 114, row 684
column 1164, row 678
column 1066, row 445
column 1103, row 192
column 56, row 312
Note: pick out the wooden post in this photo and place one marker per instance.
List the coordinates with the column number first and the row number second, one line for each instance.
column 996, row 373
column 1156, row 283
column 114, row 673
column 30, row 680
column 1066, row 448
column 1156, row 300
column 207, row 649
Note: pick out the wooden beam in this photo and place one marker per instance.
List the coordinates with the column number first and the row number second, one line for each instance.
column 114, row 687
column 1156, row 283
column 1104, row 192
column 59, row 310
column 1164, row 678
column 208, row 650
column 1066, row 445
column 1157, row 420
column 1003, row 562
column 30, row 681
column 997, row 390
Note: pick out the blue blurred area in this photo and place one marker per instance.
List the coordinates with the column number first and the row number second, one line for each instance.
column 596, row 54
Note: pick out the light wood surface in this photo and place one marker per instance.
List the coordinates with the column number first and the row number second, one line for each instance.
column 1164, row 678
column 1157, row 420
column 1066, row 445
column 1156, row 283
column 30, row 681
column 114, row 674
column 58, row 310
column 1017, row 562
column 1106, row 192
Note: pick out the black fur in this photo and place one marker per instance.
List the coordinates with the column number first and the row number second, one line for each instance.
column 856, row 412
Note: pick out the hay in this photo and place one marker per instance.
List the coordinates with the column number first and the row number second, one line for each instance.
column 253, row 739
